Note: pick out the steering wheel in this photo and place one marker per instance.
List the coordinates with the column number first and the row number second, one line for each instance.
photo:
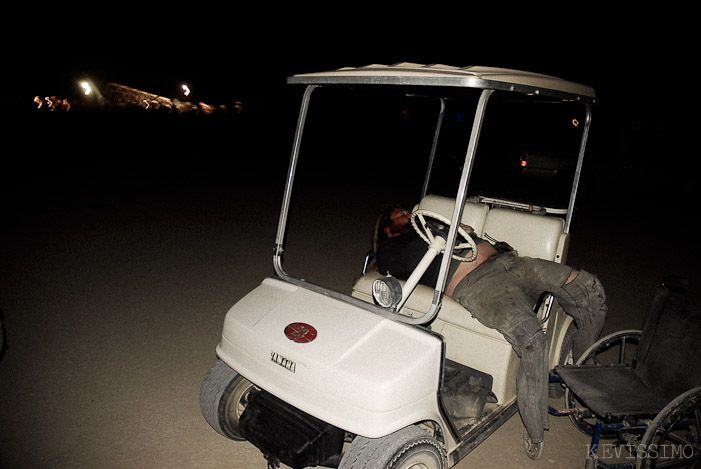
column 430, row 224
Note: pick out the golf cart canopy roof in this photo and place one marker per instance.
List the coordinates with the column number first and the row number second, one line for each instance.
column 411, row 74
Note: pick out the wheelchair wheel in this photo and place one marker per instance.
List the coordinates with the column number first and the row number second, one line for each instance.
column 614, row 349
column 672, row 439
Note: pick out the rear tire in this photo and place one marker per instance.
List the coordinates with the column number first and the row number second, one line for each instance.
column 408, row 448
column 223, row 398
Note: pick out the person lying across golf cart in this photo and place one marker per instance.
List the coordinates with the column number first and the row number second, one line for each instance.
column 500, row 289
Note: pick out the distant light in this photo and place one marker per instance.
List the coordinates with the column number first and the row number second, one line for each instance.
column 524, row 162
column 87, row 89
column 186, row 90
column 575, row 122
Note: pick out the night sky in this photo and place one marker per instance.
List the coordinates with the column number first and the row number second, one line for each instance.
column 633, row 60
column 229, row 52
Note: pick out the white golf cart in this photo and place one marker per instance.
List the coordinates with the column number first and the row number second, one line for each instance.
column 322, row 366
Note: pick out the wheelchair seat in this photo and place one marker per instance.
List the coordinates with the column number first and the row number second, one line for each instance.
column 666, row 363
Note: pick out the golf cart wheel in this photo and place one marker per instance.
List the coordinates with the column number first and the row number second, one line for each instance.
column 223, row 398
column 408, row 448
column 673, row 437
column 614, row 349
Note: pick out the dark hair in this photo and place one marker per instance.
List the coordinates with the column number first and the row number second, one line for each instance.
column 383, row 221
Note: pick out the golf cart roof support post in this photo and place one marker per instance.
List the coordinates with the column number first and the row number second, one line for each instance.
column 434, row 248
column 578, row 170
column 279, row 238
column 459, row 204
column 439, row 124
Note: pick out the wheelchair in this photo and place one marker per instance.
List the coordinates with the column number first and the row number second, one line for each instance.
column 641, row 390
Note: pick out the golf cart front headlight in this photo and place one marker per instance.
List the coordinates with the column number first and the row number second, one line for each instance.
column 387, row 291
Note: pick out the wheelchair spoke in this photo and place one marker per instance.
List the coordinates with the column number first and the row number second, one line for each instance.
column 678, row 439
column 622, row 352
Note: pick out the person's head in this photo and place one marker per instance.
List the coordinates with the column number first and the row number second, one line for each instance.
column 392, row 222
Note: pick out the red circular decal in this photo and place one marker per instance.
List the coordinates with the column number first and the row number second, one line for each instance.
column 300, row 332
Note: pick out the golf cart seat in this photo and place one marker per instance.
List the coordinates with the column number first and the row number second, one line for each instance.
column 532, row 235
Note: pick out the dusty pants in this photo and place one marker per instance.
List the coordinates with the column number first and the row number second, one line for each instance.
column 501, row 294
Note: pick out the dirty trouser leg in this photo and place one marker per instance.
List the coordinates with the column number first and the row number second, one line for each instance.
column 493, row 295
column 532, row 379
column 583, row 298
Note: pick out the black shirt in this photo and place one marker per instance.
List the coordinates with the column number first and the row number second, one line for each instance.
column 400, row 255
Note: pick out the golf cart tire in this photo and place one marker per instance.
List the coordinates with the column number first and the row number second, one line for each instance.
column 402, row 449
column 222, row 399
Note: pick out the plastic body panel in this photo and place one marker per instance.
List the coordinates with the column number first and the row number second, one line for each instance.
column 468, row 341
column 363, row 373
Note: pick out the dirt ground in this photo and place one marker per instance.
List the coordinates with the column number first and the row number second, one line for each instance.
column 114, row 292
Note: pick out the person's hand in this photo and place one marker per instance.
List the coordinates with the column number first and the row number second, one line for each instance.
column 467, row 228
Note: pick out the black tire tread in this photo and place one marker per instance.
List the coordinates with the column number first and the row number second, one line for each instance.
column 387, row 452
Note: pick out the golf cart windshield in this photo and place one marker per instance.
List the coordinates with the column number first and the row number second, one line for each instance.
column 364, row 142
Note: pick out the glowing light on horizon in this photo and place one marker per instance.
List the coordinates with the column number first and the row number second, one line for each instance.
column 87, row 89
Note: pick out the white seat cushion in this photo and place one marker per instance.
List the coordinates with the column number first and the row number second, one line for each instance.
column 531, row 235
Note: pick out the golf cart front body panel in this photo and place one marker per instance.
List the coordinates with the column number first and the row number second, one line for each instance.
column 359, row 371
